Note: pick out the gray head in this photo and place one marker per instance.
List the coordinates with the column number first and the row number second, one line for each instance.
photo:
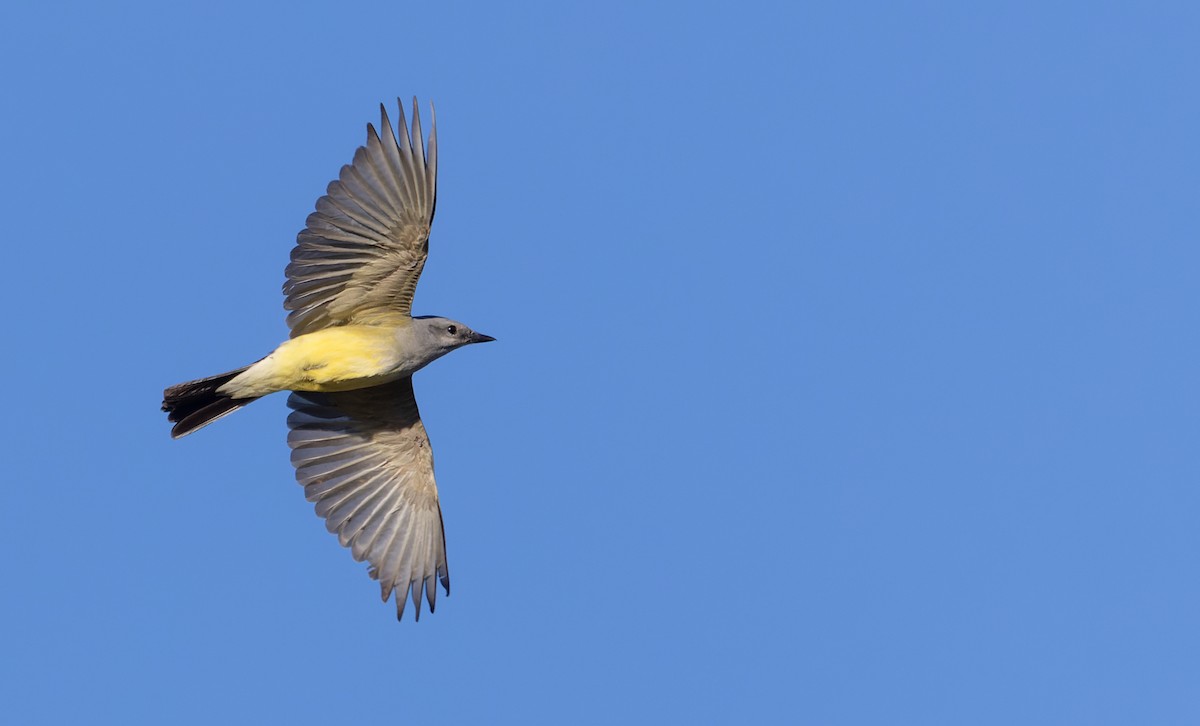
column 436, row 337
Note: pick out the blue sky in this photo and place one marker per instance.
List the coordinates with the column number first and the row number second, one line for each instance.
column 845, row 374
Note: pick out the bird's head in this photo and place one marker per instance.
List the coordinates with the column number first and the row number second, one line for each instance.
column 444, row 335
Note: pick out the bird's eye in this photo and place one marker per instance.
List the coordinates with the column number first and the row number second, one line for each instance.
column 453, row 330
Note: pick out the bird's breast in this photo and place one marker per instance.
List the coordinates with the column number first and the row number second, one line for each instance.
column 334, row 359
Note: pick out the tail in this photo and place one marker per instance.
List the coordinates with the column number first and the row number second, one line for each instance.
column 196, row 404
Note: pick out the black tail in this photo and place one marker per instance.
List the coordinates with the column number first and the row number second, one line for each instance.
column 196, row 404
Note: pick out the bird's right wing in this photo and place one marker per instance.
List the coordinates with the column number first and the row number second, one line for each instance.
column 364, row 459
column 363, row 249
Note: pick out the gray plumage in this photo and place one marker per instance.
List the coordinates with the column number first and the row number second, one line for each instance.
column 363, row 249
column 364, row 460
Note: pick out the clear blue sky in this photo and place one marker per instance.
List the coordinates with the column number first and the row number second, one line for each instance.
column 846, row 374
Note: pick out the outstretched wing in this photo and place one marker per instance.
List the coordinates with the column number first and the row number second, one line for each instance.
column 361, row 253
column 364, row 460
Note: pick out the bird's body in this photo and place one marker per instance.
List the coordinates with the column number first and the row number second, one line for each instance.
column 357, row 440
column 334, row 359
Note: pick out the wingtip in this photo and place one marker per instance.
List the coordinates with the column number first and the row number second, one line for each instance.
column 400, row 603
column 430, row 586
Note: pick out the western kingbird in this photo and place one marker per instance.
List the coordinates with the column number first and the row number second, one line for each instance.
column 357, row 441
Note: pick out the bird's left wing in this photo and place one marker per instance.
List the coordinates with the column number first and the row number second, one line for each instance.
column 364, row 459
column 363, row 249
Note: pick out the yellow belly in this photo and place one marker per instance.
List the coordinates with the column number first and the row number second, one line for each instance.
column 334, row 359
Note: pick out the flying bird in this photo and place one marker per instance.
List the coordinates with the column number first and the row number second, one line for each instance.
column 358, row 444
